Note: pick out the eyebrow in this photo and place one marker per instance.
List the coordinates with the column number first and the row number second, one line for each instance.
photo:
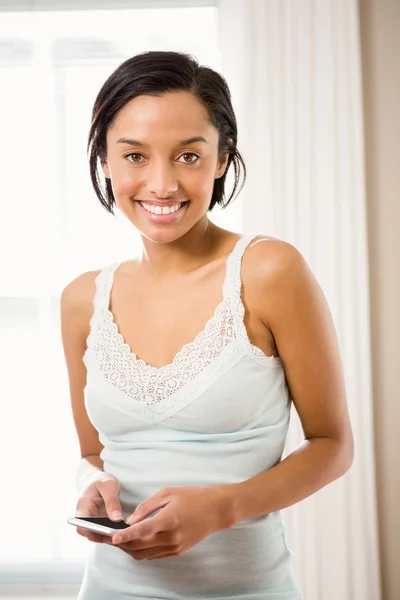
column 192, row 140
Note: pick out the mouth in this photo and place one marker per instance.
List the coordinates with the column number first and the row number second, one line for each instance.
column 161, row 208
column 162, row 212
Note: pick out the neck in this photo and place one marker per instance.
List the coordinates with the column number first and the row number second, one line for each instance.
column 182, row 255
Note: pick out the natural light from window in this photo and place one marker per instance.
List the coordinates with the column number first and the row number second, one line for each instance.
column 52, row 228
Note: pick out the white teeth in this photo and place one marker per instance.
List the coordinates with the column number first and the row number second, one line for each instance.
column 161, row 210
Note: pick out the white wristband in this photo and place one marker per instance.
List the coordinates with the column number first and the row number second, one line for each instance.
column 87, row 474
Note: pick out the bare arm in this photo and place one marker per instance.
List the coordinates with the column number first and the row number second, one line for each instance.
column 99, row 491
column 295, row 310
column 76, row 311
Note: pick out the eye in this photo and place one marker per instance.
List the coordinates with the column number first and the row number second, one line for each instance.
column 134, row 155
column 194, row 157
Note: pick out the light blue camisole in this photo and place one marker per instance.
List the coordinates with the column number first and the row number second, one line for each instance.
column 217, row 415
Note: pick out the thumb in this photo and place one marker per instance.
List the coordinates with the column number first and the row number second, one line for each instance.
column 147, row 507
column 109, row 491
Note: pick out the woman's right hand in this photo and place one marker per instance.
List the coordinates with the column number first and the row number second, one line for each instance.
column 100, row 499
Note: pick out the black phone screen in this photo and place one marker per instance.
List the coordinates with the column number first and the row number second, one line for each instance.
column 106, row 522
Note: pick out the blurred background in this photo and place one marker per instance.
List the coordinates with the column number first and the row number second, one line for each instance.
column 316, row 89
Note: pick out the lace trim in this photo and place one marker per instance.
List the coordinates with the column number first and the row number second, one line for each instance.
column 151, row 386
column 187, row 394
column 189, row 351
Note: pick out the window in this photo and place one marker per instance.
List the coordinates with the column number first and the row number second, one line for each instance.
column 52, row 63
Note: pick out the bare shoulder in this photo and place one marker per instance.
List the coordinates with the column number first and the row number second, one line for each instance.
column 274, row 258
column 281, row 278
column 274, row 264
column 78, row 292
column 76, row 299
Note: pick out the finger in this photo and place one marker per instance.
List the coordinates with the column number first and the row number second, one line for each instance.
column 162, row 522
column 161, row 539
column 90, row 505
column 109, row 491
column 90, row 535
column 146, row 529
column 147, row 507
column 85, row 507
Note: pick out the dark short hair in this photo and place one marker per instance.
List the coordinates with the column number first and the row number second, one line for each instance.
column 155, row 73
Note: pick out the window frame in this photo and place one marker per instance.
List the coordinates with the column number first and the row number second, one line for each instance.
column 52, row 5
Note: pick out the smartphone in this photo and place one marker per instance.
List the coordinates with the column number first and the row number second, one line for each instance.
column 102, row 525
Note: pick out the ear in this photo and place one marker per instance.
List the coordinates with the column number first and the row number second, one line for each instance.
column 106, row 170
column 223, row 161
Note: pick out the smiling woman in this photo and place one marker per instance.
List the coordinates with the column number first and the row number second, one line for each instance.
column 191, row 118
column 174, row 168
column 183, row 362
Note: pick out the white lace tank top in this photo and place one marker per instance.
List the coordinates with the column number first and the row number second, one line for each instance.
column 218, row 414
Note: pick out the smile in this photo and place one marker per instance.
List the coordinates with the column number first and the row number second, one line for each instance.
column 162, row 214
column 156, row 209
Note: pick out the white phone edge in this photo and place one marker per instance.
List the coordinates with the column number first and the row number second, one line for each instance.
column 92, row 526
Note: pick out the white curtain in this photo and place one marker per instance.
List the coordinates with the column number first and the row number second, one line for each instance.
column 294, row 70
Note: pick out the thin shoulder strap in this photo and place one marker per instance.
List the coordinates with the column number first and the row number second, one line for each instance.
column 101, row 300
column 104, row 283
column 233, row 282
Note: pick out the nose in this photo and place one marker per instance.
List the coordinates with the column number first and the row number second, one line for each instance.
column 161, row 180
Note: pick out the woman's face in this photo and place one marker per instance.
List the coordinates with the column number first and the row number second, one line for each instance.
column 162, row 151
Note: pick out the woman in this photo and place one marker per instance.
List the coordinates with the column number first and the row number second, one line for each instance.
column 192, row 354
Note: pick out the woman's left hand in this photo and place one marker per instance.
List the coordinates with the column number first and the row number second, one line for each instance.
column 186, row 516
